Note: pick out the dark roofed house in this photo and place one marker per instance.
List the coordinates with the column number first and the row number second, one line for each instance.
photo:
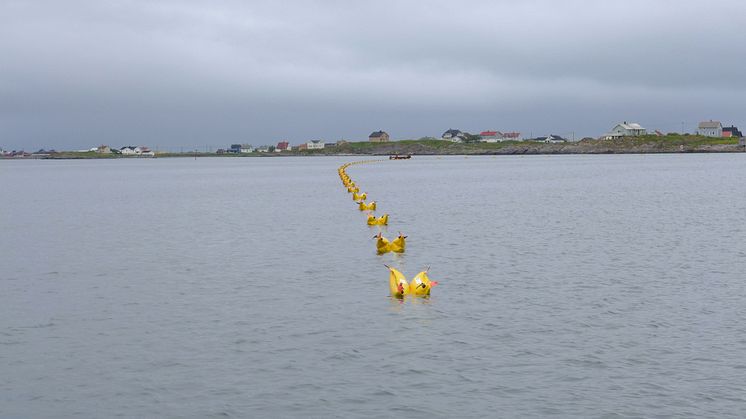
column 732, row 131
column 453, row 135
column 378, row 137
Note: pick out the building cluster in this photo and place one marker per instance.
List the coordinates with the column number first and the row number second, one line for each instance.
column 493, row 136
column 708, row 128
column 23, row 153
column 716, row 129
column 281, row 146
column 620, row 130
column 128, row 150
column 705, row 128
column 284, row 145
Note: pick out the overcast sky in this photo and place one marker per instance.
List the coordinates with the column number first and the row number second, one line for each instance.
column 75, row 74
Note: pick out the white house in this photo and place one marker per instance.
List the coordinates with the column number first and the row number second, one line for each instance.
column 263, row 149
column 710, row 128
column 127, row 150
column 142, row 150
column 246, row 148
column 315, row 145
column 625, row 129
column 552, row 139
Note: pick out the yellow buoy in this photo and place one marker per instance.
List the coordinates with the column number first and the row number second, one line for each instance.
column 421, row 284
column 362, row 206
column 380, row 221
column 382, row 244
column 397, row 245
column 397, row 283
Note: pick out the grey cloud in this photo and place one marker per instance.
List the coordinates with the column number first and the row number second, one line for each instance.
column 76, row 73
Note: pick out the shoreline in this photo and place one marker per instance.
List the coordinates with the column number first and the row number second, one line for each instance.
column 670, row 144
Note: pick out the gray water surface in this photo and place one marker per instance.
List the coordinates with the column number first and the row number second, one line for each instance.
column 570, row 286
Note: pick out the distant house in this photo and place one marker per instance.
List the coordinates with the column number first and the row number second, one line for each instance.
column 731, row 131
column 263, row 149
column 240, row 148
column 453, row 135
column 341, row 142
column 144, row 151
column 625, row 129
column 303, row 146
column 282, row 146
column 136, row 151
column 491, row 136
column 378, row 137
column 511, row 136
column 103, row 149
column 552, row 138
column 710, row 128
column 497, row 136
column 315, row 145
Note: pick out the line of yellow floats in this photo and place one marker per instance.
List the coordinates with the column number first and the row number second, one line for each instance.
column 399, row 287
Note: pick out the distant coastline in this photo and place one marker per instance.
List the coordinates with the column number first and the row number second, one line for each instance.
column 647, row 144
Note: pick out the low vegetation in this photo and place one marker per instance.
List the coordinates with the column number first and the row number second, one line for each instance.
column 670, row 143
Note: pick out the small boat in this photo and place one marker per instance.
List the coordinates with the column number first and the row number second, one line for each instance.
column 400, row 157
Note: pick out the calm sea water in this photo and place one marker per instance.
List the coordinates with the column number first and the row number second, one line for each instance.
column 571, row 286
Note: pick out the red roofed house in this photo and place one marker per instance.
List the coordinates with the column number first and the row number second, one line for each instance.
column 491, row 136
column 282, row 146
column 511, row 136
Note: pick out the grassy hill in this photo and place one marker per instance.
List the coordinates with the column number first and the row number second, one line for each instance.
column 429, row 146
column 644, row 144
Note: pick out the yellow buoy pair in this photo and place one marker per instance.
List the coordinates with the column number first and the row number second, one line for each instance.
column 380, row 221
column 384, row 246
column 419, row 287
column 362, row 206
